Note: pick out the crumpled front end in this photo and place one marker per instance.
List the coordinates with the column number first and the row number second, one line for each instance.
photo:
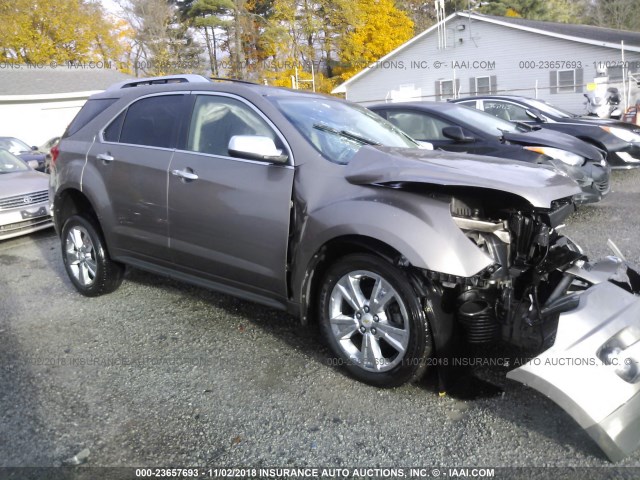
column 593, row 369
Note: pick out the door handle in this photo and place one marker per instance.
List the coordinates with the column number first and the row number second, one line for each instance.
column 105, row 157
column 185, row 174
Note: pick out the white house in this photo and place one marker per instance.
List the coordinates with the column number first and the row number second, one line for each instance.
column 469, row 53
column 37, row 104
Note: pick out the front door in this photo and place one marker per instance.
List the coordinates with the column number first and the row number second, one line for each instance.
column 229, row 217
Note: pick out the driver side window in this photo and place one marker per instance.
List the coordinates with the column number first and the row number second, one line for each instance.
column 506, row 111
column 216, row 119
column 419, row 126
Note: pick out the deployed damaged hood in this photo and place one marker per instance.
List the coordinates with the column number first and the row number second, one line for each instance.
column 539, row 185
column 551, row 138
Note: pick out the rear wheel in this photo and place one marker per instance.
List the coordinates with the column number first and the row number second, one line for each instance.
column 373, row 321
column 86, row 259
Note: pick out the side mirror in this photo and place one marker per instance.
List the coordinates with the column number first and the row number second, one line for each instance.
column 456, row 134
column 255, row 147
column 34, row 148
column 535, row 114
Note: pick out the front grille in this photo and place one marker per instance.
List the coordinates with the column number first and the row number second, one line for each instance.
column 26, row 225
column 24, row 200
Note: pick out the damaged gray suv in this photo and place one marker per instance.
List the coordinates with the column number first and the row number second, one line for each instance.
column 319, row 207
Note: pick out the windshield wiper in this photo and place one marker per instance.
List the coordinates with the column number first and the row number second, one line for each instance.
column 345, row 134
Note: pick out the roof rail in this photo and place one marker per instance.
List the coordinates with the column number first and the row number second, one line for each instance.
column 140, row 82
column 237, row 80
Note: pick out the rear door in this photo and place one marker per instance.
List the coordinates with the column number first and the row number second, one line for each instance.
column 229, row 217
column 132, row 160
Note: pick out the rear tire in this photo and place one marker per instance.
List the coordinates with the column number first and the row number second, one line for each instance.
column 372, row 319
column 86, row 259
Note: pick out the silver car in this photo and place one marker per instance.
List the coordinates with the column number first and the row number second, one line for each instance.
column 310, row 204
column 24, row 198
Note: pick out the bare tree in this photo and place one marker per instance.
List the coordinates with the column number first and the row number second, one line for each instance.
column 162, row 44
column 620, row 14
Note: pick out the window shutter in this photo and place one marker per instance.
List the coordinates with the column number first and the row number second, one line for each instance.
column 472, row 86
column 579, row 76
column 437, row 91
column 493, row 84
column 553, row 82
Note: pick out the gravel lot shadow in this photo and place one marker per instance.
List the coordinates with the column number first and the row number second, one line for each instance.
column 276, row 323
column 466, row 384
column 22, row 427
column 537, row 413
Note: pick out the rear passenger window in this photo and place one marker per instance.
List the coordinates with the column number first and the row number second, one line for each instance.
column 152, row 121
column 216, row 119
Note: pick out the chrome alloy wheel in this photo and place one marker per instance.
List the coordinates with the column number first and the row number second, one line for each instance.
column 369, row 320
column 80, row 253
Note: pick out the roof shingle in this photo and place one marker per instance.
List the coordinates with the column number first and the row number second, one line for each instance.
column 588, row 32
column 23, row 80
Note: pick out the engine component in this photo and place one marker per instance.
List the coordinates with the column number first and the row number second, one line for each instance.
column 479, row 321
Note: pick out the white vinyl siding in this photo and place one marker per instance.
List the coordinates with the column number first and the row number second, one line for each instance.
column 517, row 68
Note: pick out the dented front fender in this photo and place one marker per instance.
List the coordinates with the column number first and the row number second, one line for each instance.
column 592, row 370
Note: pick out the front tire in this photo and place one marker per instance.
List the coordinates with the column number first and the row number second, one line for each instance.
column 86, row 259
column 372, row 319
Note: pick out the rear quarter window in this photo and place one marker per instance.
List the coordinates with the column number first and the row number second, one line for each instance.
column 91, row 109
column 112, row 132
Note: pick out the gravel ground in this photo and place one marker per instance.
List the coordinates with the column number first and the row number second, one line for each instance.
column 160, row 373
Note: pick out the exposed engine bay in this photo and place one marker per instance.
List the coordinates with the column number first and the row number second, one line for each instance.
column 543, row 295
column 537, row 273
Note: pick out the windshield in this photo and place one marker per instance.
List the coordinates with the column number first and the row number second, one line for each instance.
column 550, row 109
column 485, row 122
column 10, row 163
column 338, row 129
column 14, row 145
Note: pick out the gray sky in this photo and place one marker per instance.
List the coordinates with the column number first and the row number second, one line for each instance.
column 110, row 6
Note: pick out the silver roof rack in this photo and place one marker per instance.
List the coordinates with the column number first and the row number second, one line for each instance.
column 141, row 82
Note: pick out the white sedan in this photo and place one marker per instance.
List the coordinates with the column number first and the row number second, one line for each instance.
column 24, row 198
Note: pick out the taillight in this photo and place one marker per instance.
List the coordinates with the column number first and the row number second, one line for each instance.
column 55, row 151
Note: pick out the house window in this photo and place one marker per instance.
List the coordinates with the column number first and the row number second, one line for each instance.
column 615, row 73
column 446, row 89
column 483, row 85
column 566, row 81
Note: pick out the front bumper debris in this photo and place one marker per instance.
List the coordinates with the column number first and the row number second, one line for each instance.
column 593, row 371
